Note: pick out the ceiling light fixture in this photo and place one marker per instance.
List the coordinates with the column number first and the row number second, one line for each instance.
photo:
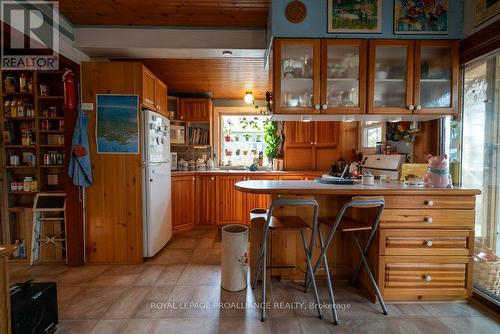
column 248, row 98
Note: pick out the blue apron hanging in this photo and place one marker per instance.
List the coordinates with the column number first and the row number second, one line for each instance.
column 79, row 166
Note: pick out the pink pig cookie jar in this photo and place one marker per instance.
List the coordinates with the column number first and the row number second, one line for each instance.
column 438, row 175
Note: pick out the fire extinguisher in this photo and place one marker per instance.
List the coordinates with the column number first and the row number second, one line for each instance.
column 69, row 89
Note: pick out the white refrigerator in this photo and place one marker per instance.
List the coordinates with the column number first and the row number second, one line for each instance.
column 157, row 202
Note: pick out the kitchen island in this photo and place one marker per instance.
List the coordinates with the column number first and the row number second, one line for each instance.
column 423, row 249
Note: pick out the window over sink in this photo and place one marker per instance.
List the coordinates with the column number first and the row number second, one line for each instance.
column 242, row 139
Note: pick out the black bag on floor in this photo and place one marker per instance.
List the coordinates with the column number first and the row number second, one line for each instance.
column 33, row 307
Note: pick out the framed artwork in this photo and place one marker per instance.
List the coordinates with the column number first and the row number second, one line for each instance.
column 117, row 124
column 421, row 16
column 485, row 10
column 347, row 16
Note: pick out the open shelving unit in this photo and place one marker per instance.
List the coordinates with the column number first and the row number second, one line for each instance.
column 42, row 157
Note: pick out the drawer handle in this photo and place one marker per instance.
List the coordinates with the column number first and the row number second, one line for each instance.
column 427, row 278
column 212, row 178
column 429, row 203
column 428, row 220
column 428, row 243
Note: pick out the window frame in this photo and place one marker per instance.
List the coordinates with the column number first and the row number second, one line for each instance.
column 362, row 127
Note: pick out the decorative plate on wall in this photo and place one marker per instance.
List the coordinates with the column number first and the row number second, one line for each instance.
column 296, row 11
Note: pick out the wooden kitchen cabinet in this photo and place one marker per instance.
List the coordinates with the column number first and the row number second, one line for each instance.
column 311, row 145
column 183, row 203
column 413, row 77
column 230, row 202
column 205, row 200
column 148, row 89
column 161, row 98
column 390, row 76
column 343, row 76
column 154, row 92
column 297, row 76
column 436, row 77
column 195, row 109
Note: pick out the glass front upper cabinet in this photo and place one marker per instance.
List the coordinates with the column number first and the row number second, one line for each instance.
column 390, row 77
column 343, row 76
column 297, row 76
column 436, row 77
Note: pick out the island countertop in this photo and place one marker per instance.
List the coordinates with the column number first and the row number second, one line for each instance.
column 286, row 187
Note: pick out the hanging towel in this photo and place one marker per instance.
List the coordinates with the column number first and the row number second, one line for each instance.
column 79, row 166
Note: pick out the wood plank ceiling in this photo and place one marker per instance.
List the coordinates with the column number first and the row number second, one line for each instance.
column 187, row 13
column 226, row 78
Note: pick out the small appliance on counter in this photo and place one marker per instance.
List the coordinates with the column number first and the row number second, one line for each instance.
column 177, row 134
column 378, row 165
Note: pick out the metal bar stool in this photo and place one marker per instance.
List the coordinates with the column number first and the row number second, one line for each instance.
column 347, row 225
column 271, row 222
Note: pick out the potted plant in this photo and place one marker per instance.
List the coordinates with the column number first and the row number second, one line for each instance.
column 245, row 152
column 238, row 151
column 243, row 123
column 228, row 152
column 246, row 136
column 258, row 138
column 236, row 138
column 227, row 135
column 272, row 141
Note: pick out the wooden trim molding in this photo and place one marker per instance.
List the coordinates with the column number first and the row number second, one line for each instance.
column 481, row 43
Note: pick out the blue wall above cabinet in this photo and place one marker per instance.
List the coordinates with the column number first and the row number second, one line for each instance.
column 315, row 24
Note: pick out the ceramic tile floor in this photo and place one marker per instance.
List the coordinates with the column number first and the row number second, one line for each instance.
column 119, row 299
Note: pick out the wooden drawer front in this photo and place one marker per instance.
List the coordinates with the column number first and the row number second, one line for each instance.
column 426, row 242
column 394, row 218
column 430, row 202
column 429, row 278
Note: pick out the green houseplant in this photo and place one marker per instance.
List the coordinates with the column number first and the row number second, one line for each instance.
column 272, row 140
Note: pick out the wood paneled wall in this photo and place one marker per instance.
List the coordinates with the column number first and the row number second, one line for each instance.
column 114, row 201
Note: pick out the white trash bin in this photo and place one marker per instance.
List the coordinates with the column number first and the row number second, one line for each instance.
column 234, row 257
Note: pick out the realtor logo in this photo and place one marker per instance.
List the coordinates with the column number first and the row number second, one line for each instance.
column 30, row 38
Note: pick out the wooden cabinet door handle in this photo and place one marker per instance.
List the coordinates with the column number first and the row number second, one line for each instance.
column 429, row 202
column 212, row 178
column 427, row 278
column 428, row 243
column 411, row 107
column 428, row 220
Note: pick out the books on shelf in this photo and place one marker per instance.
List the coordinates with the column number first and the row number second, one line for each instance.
column 198, row 136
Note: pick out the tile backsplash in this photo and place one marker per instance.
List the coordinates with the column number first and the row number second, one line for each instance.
column 192, row 153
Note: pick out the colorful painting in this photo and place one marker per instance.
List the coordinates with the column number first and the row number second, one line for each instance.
column 485, row 10
column 355, row 16
column 421, row 16
column 117, row 124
